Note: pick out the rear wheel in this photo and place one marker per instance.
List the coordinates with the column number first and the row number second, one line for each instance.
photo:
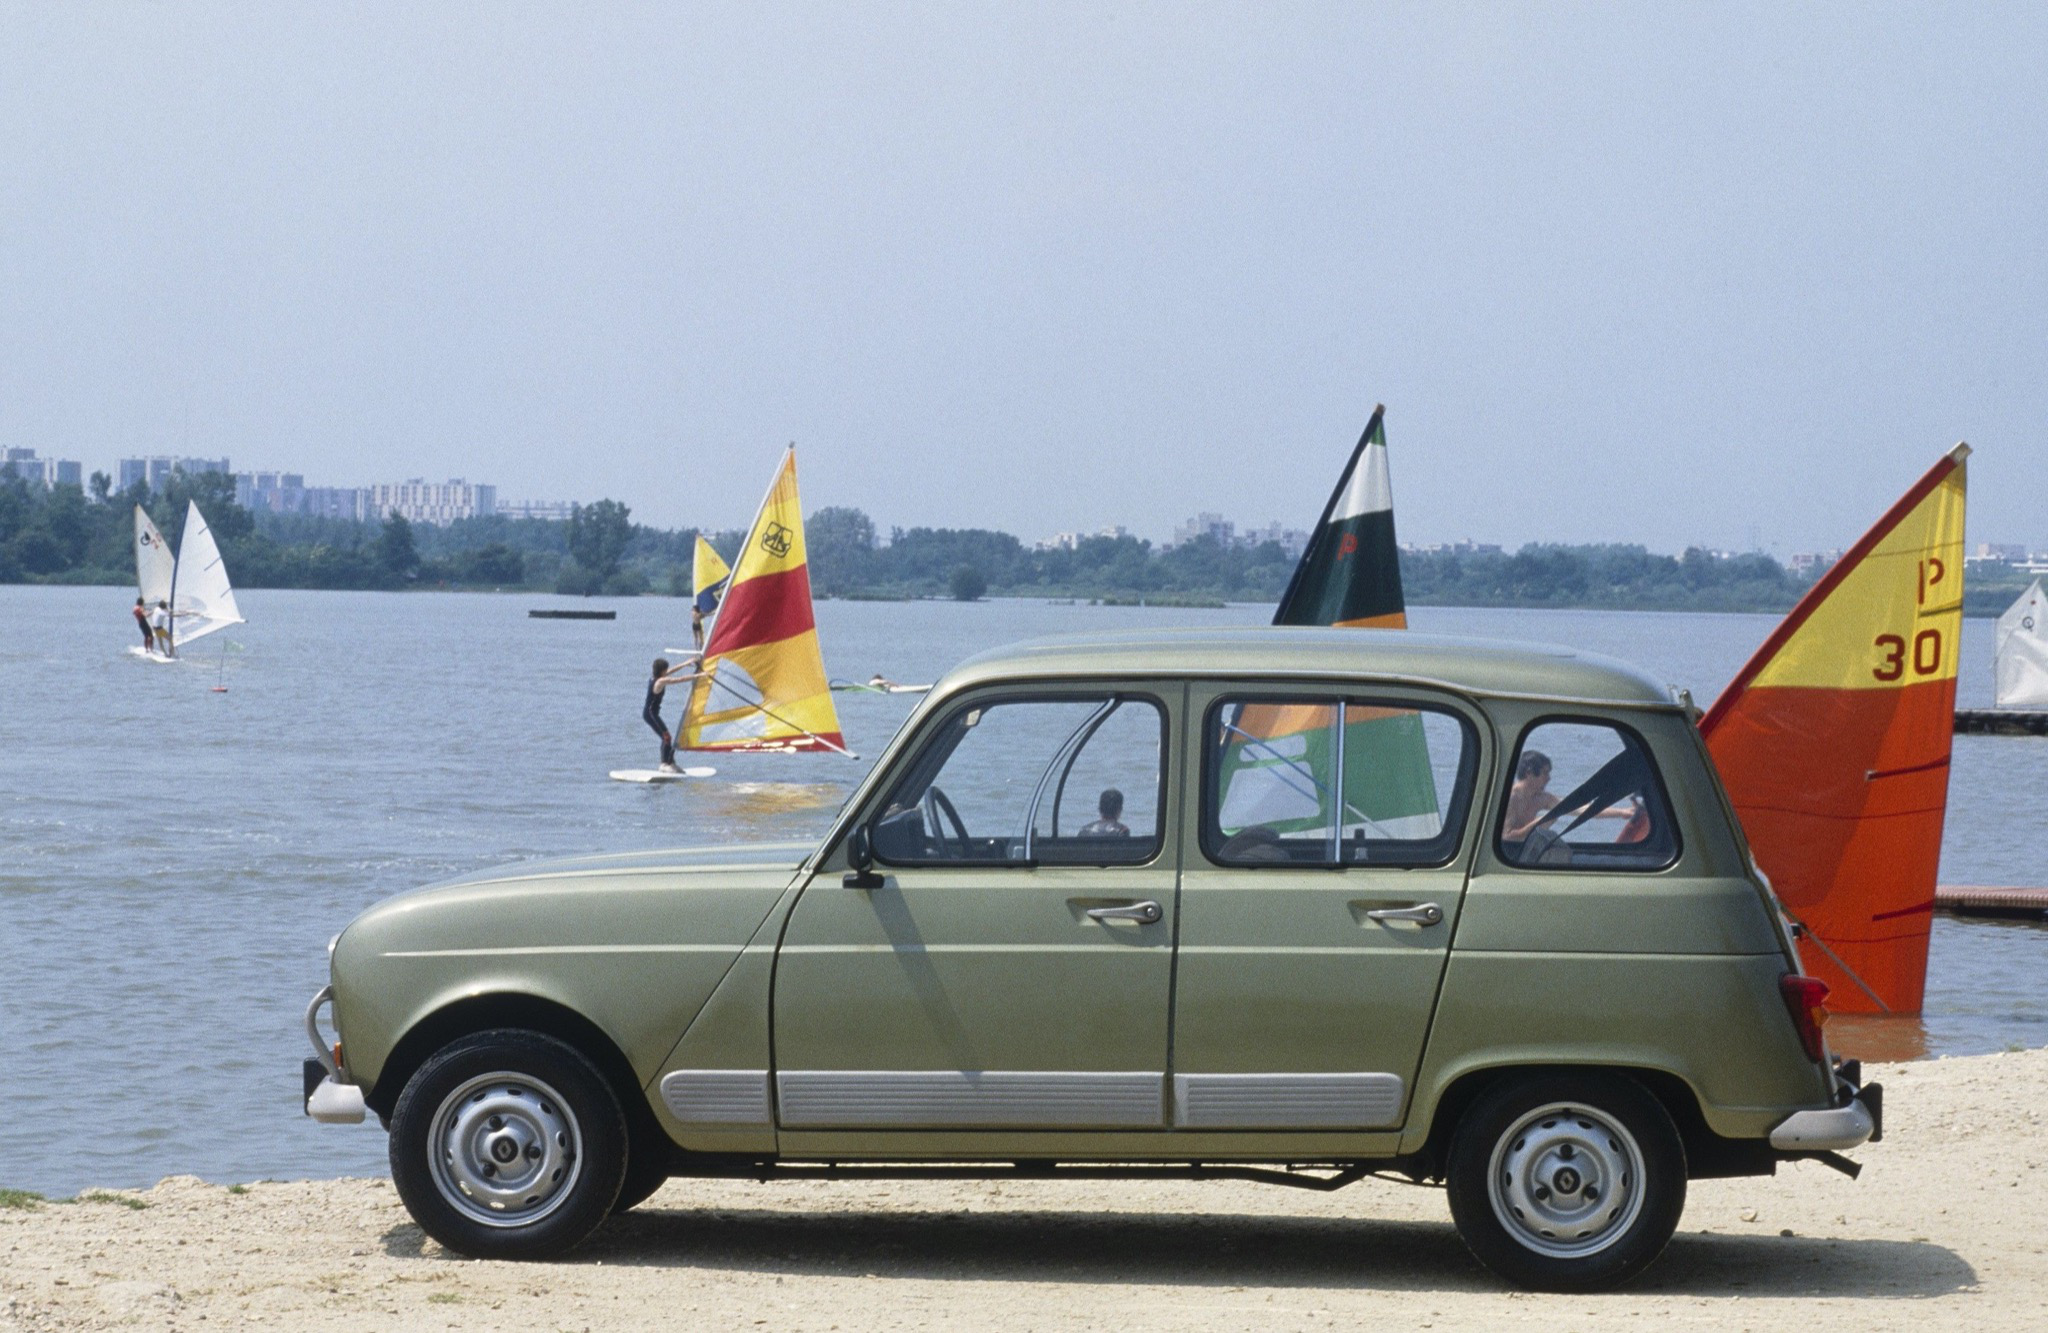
column 1567, row 1182
column 643, row 1178
column 508, row 1145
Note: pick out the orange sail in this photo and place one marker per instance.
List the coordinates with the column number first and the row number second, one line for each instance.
column 1834, row 740
column 763, row 685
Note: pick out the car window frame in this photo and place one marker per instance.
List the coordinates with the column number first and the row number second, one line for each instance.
column 997, row 695
column 1464, row 790
column 1514, row 759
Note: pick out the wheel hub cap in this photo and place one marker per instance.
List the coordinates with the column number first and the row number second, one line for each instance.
column 1566, row 1181
column 505, row 1149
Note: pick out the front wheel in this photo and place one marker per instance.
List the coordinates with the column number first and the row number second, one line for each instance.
column 1567, row 1182
column 508, row 1145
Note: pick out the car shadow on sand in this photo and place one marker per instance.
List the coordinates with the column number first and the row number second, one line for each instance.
column 1212, row 1250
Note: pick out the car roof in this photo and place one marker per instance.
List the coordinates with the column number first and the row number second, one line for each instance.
column 1474, row 666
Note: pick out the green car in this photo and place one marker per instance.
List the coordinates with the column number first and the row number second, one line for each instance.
column 1285, row 905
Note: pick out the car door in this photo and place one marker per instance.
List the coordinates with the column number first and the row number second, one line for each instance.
column 1010, row 966
column 1325, row 863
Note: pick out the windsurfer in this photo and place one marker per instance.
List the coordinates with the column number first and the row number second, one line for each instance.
column 697, row 627
column 878, row 681
column 142, row 623
column 650, row 711
column 160, row 624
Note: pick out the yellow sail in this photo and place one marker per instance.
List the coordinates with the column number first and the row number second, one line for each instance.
column 763, row 685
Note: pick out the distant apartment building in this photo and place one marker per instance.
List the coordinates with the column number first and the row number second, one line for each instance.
column 1069, row 541
column 1215, row 527
column 1806, row 564
column 156, row 469
column 1998, row 553
column 44, row 472
column 418, row 501
column 274, row 492
column 550, row 511
column 1466, row 547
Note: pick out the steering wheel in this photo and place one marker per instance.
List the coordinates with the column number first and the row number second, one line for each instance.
column 934, row 804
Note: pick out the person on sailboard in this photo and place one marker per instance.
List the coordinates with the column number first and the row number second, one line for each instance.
column 650, row 711
column 697, row 626
column 160, row 622
column 142, row 623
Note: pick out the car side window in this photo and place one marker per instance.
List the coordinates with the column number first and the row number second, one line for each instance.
column 1586, row 795
column 1042, row 781
column 1309, row 782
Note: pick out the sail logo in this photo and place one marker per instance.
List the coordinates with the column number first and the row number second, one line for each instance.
column 776, row 539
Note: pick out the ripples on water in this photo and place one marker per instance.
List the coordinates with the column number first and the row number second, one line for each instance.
column 175, row 860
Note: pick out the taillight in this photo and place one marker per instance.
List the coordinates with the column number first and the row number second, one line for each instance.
column 1806, row 997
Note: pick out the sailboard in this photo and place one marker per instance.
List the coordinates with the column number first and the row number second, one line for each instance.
column 1271, row 755
column 869, row 687
column 656, row 776
column 762, row 683
column 1833, row 743
column 202, row 600
column 2020, row 661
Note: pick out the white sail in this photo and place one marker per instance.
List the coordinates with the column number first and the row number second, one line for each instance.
column 153, row 561
column 201, row 599
column 2021, row 662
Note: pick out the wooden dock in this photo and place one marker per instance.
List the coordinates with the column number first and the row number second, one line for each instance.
column 2000, row 722
column 1977, row 900
column 573, row 615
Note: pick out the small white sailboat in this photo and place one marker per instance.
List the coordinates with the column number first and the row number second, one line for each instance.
column 2021, row 659
column 2019, row 668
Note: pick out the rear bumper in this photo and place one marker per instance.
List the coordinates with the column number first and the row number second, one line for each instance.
column 1858, row 1120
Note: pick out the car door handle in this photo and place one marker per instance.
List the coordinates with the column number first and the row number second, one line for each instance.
column 1145, row 914
column 1422, row 914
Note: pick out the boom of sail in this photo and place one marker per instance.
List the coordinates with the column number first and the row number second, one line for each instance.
column 202, row 600
column 2021, row 660
column 763, row 684
column 1833, row 742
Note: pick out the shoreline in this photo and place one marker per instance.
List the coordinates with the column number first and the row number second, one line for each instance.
column 1943, row 1228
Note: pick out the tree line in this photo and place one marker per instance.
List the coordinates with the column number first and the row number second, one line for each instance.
column 70, row 534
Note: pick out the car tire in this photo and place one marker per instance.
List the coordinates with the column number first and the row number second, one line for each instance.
column 508, row 1145
column 642, row 1180
column 1569, row 1182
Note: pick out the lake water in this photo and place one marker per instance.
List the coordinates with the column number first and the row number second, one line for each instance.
column 173, row 861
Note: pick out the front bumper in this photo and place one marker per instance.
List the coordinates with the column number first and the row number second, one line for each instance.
column 329, row 1097
column 1856, row 1119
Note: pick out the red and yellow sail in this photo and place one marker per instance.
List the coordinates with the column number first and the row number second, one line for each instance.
column 1833, row 743
column 764, row 685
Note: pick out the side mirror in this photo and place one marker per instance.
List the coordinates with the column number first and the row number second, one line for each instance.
column 861, row 857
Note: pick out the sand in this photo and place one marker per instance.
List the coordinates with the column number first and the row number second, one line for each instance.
column 1946, row 1229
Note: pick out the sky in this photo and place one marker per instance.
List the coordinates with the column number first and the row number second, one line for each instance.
column 1721, row 274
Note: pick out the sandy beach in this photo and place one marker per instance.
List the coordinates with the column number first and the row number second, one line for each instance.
column 1947, row 1228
